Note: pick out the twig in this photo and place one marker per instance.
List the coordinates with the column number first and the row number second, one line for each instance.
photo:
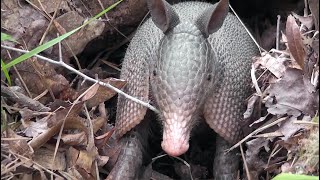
column 19, row 76
column 23, row 99
column 254, row 81
column 257, row 44
column 61, row 63
column 278, row 33
column 256, row 131
column 245, row 163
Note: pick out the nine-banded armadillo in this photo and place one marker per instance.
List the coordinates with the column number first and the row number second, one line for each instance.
column 191, row 59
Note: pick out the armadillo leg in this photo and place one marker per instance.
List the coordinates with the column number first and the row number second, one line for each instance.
column 133, row 153
column 225, row 165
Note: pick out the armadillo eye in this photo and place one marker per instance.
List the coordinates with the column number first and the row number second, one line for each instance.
column 209, row 77
column 154, row 72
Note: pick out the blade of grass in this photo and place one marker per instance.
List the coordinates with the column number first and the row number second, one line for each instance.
column 5, row 37
column 54, row 41
column 5, row 71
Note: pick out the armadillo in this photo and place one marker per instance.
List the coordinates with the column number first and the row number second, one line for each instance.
column 190, row 60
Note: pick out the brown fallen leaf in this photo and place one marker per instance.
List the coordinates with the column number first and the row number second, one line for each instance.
column 85, row 161
column 78, row 171
column 54, row 124
column 62, row 113
column 294, row 41
column 77, row 139
column 44, row 156
column 292, row 95
column 276, row 65
column 90, row 93
column 75, row 43
column 40, row 76
column 17, row 144
column 103, row 94
column 98, row 123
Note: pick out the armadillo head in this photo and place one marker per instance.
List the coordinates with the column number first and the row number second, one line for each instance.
column 183, row 73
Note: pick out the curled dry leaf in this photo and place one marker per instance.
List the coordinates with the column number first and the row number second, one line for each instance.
column 275, row 65
column 294, row 41
column 91, row 92
column 77, row 139
column 102, row 160
column 103, row 93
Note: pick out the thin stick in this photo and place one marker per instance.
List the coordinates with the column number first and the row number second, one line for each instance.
column 61, row 63
column 257, row 131
column 278, row 32
column 259, row 47
column 245, row 163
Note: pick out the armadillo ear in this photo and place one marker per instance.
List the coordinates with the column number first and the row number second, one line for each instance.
column 163, row 15
column 212, row 18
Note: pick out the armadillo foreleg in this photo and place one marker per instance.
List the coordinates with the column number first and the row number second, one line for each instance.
column 225, row 165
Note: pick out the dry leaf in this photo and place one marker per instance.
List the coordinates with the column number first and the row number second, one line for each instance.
column 85, row 161
column 294, row 41
column 289, row 128
column 292, row 95
column 36, row 128
column 93, row 90
column 44, row 157
column 98, row 123
column 18, row 145
column 275, row 65
column 103, row 94
column 78, row 139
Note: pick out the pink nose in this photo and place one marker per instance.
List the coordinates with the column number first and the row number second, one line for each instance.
column 174, row 148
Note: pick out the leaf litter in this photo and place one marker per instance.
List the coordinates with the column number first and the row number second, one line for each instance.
column 287, row 78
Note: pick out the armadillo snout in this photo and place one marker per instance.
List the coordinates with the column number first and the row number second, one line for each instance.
column 173, row 148
column 176, row 133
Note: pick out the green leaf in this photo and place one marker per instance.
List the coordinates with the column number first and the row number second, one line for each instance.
column 5, row 37
column 54, row 41
column 287, row 176
column 6, row 73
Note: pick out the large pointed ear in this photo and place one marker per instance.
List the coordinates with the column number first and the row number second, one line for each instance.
column 212, row 18
column 163, row 15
